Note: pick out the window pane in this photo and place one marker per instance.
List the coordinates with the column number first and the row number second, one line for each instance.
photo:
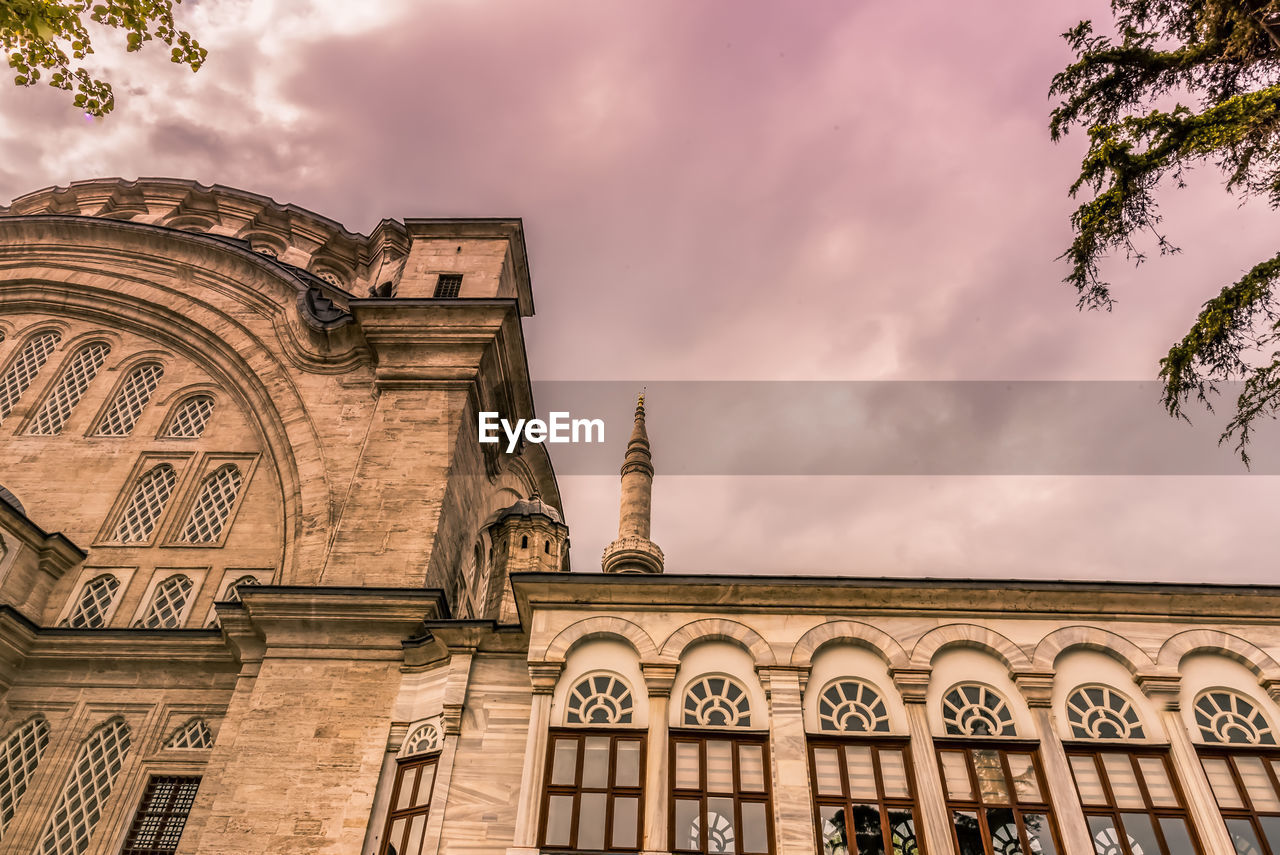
column 396, row 834
column 1088, row 782
column 1124, row 783
column 1176, row 836
column 893, row 769
column 751, row 768
column 559, row 820
column 1004, row 831
column 755, row 827
column 1039, row 834
column 862, row 775
column 565, row 763
column 835, row 840
column 1243, row 837
column 1257, row 783
column 687, row 824
column 902, row 833
column 416, row 827
column 1271, row 831
column 592, row 811
column 991, row 782
column 426, row 776
column 722, row 835
column 826, row 771
column 956, row 774
column 719, row 766
column 968, row 833
column 627, row 773
column 1142, row 837
column 625, row 818
column 1224, row 787
column 1025, row 785
column 404, row 798
column 687, row 766
column 595, row 762
column 867, row 835
column 1159, row 787
column 1105, row 837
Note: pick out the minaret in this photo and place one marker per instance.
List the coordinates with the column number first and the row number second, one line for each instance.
column 633, row 551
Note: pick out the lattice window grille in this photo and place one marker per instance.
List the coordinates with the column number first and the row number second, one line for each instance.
column 194, row 734
column 1100, row 712
column 19, row 757
column 852, row 706
column 86, row 790
column 232, row 595
column 448, row 286
column 95, row 600
column 157, row 827
column 1230, row 717
column 191, row 418
column 146, row 505
column 131, row 400
column 600, row 699
column 70, row 389
column 213, row 507
column 423, row 740
column 167, row 603
column 971, row 709
column 716, row 702
column 24, row 370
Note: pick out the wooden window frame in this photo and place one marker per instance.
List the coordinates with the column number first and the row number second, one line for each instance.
column 1112, row 810
column 166, row 814
column 1228, row 751
column 977, row 806
column 614, row 735
column 410, row 813
column 736, row 738
column 846, row 801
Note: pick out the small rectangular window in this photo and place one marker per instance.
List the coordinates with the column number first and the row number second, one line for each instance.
column 448, row 285
column 157, row 827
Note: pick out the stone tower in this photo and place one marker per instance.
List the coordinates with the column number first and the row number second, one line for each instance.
column 633, row 551
column 528, row 537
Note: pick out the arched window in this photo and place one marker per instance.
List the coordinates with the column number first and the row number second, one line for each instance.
column 195, row 733
column 19, row 757
column 851, row 706
column 190, row 418
column 232, row 594
column 423, row 740
column 716, row 701
column 213, row 506
column 131, row 399
column 167, row 603
column 24, row 369
column 75, row 382
column 1100, row 712
column 147, row 503
column 971, row 709
column 86, row 790
column 600, row 699
column 95, row 601
column 1226, row 716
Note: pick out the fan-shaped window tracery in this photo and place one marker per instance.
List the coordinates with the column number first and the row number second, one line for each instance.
column 424, row 739
column 716, row 701
column 71, row 387
column 972, row 709
column 1226, row 716
column 131, row 399
column 1100, row 712
column 852, row 706
column 24, row 369
column 600, row 699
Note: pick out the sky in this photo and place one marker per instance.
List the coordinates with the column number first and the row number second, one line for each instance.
column 736, row 190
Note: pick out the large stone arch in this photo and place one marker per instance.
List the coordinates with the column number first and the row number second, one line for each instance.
column 208, row 302
column 597, row 627
column 834, row 632
column 1121, row 649
column 1182, row 645
column 718, row 629
column 972, row 636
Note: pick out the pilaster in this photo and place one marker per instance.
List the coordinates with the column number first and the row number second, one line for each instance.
column 544, row 676
column 792, row 801
column 658, row 680
column 913, row 685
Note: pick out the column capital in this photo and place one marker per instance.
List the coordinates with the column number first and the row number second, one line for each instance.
column 544, row 676
column 1162, row 689
column 659, row 677
column 1036, row 687
column 912, row 683
column 395, row 739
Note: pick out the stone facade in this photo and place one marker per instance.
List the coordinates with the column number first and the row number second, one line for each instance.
column 248, row 536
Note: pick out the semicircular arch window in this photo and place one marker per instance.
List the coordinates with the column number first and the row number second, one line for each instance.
column 852, row 706
column 190, row 418
column 1229, row 717
column 716, row 701
column 600, row 699
column 23, row 370
column 1100, row 712
column 71, row 387
column 423, row 740
column 972, row 709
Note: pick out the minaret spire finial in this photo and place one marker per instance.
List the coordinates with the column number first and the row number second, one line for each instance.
column 633, row 551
